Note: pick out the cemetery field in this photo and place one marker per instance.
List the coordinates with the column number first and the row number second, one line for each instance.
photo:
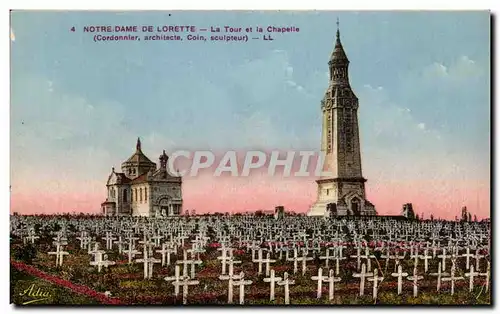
column 245, row 260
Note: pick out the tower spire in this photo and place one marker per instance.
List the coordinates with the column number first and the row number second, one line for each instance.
column 338, row 63
column 163, row 160
column 138, row 145
column 338, row 30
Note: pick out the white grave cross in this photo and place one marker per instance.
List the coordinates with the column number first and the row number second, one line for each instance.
column 319, row 278
column 362, row 276
column 400, row 276
column 272, row 281
column 286, row 282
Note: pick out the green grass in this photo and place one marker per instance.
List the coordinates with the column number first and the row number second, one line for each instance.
column 77, row 270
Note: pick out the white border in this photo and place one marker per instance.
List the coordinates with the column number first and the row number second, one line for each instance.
column 122, row 5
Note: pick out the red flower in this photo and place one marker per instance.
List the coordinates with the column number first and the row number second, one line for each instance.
column 65, row 283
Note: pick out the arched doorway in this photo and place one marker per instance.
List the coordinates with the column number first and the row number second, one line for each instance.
column 355, row 206
column 164, row 204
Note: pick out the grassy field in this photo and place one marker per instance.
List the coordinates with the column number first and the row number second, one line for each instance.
column 126, row 282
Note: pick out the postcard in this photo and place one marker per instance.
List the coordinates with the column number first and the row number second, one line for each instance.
column 242, row 158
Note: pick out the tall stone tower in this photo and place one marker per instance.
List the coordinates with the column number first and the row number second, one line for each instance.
column 343, row 193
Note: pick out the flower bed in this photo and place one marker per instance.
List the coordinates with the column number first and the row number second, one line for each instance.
column 101, row 297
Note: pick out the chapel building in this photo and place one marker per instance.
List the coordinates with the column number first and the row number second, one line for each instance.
column 143, row 190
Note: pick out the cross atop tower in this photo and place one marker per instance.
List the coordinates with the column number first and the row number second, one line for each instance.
column 338, row 30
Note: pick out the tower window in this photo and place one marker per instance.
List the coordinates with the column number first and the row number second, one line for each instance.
column 125, row 196
column 140, row 195
column 146, row 195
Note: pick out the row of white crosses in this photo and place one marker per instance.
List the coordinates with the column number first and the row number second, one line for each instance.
column 185, row 282
column 415, row 277
column 137, row 227
column 298, row 223
column 201, row 240
column 299, row 236
column 286, row 282
column 281, row 281
column 397, row 258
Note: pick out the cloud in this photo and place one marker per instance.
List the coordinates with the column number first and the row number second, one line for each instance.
column 436, row 70
column 465, row 68
column 289, row 73
column 461, row 69
column 271, row 72
column 258, row 130
column 389, row 132
column 395, row 121
column 51, row 86
column 62, row 139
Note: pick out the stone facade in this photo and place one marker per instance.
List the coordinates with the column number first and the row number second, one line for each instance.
column 343, row 193
column 408, row 211
column 279, row 212
column 143, row 190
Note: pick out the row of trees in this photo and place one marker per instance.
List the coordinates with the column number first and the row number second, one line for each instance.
column 466, row 216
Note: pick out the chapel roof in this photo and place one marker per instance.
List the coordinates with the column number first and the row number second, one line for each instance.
column 121, row 176
column 140, row 179
column 138, row 157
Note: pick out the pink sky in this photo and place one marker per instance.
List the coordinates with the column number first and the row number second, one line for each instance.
column 424, row 114
column 216, row 194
